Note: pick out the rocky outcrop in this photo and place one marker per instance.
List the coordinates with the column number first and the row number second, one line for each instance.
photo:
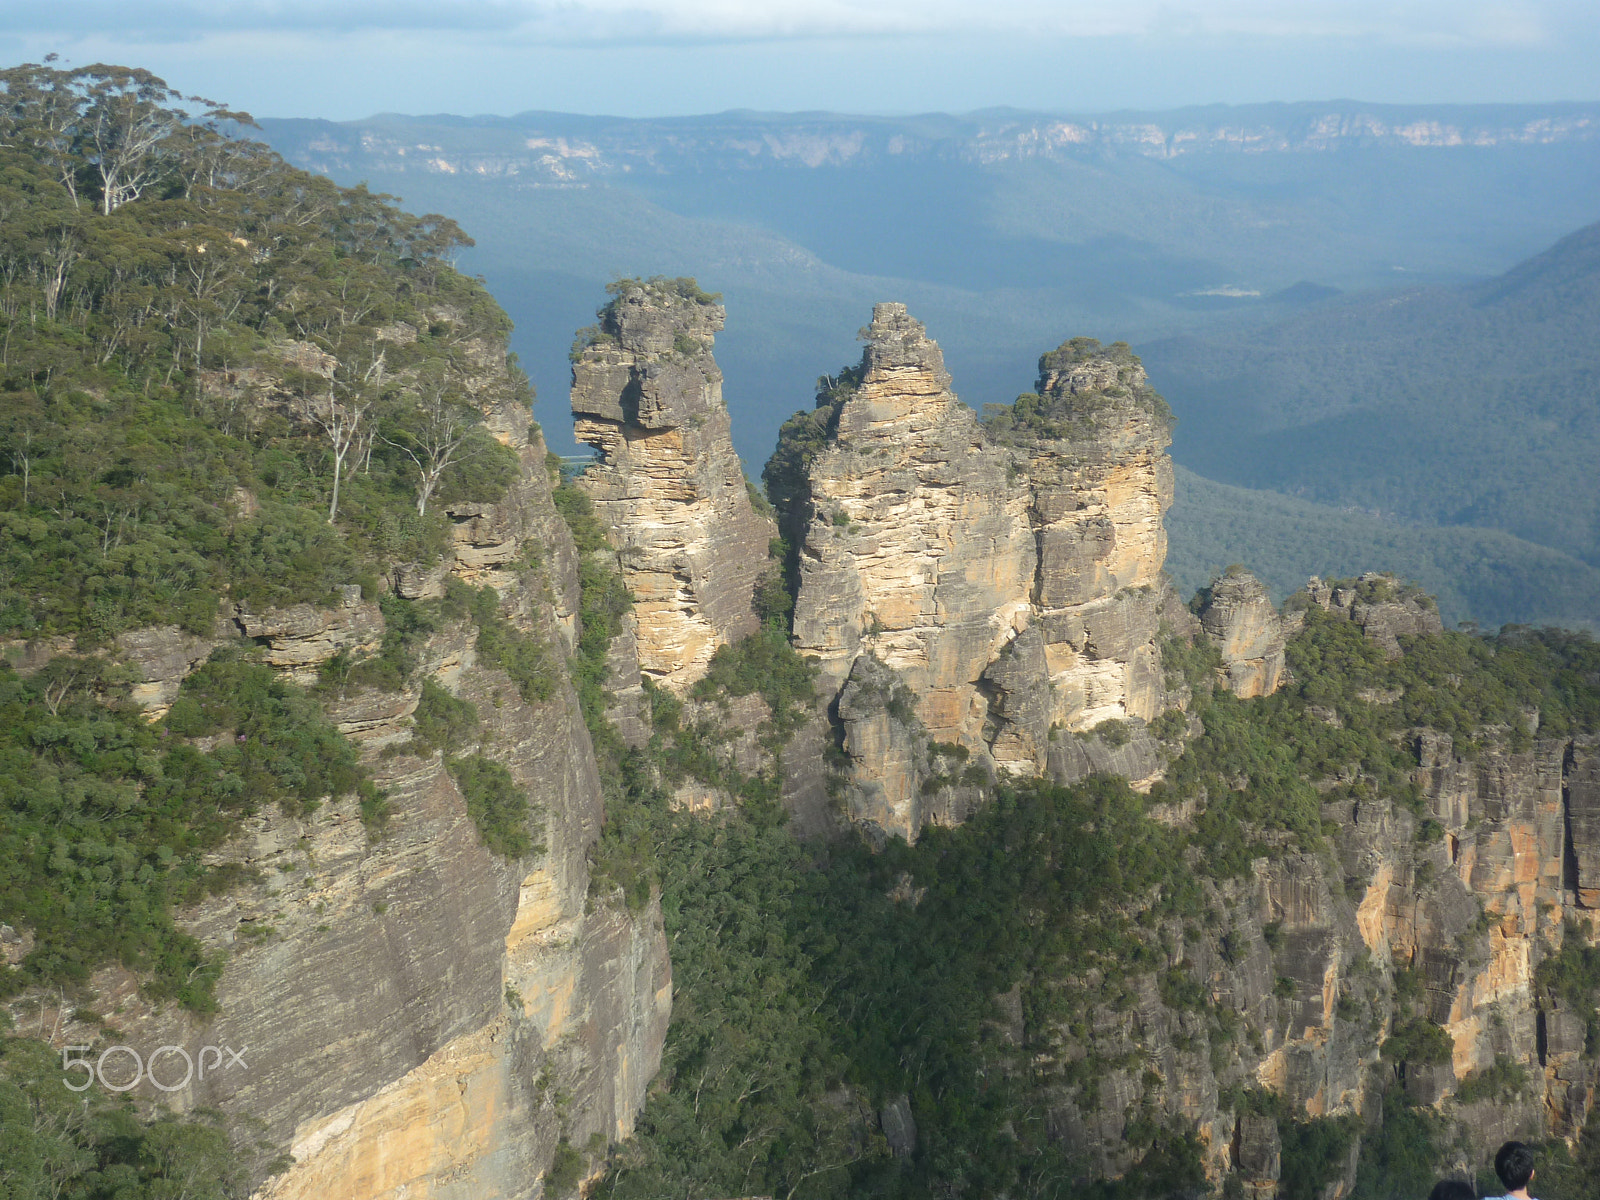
column 1242, row 622
column 1006, row 573
column 300, row 639
column 1385, row 608
column 647, row 395
column 420, row 1016
column 1095, row 444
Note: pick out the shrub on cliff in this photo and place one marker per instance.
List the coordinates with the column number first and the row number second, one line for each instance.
column 106, row 820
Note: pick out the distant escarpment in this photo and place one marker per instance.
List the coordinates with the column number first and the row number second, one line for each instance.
column 983, row 592
column 647, row 395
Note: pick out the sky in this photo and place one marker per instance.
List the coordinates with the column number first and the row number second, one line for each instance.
column 345, row 59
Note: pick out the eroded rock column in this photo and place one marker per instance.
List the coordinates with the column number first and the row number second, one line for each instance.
column 647, row 395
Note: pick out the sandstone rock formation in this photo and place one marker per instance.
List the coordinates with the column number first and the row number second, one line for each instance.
column 1384, row 607
column 1306, row 963
column 1240, row 618
column 1007, row 575
column 647, row 395
column 422, row 1017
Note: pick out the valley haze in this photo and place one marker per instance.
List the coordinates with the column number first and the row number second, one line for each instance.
column 1184, row 232
column 1006, row 653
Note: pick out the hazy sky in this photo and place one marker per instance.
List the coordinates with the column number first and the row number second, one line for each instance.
column 350, row 58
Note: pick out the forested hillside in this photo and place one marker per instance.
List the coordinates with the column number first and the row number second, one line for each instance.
column 1475, row 406
column 909, row 1021
column 226, row 385
column 1482, row 575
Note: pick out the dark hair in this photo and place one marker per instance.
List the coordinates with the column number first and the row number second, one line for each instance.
column 1453, row 1189
column 1514, row 1165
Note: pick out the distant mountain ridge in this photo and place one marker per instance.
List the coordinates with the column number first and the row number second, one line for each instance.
column 1215, row 240
column 564, row 148
column 1473, row 406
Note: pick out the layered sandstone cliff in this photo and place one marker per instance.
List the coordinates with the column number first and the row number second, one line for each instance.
column 1439, row 916
column 647, row 395
column 1004, row 575
column 420, row 1016
column 1241, row 620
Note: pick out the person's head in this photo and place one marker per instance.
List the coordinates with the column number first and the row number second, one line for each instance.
column 1514, row 1165
column 1453, row 1189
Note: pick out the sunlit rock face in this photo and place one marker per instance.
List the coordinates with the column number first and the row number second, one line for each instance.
column 1241, row 620
column 1007, row 572
column 420, row 1016
column 647, row 395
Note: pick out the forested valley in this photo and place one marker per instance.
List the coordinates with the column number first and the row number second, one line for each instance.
column 228, row 385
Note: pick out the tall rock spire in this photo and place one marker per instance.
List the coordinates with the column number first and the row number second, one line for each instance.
column 974, row 588
column 647, row 395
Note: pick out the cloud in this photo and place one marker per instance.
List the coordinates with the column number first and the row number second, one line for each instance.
column 557, row 22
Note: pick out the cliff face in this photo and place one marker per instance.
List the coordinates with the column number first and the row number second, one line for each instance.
column 1241, row 620
column 1007, row 578
column 1303, row 976
column 647, row 395
column 422, row 1017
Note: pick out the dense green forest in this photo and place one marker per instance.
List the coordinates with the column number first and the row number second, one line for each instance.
column 1481, row 575
column 1473, row 406
column 203, row 354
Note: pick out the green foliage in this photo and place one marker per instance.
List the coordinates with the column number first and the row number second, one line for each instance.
column 106, row 820
column 193, row 370
column 1570, row 1175
column 770, row 598
column 764, row 662
column 1313, row 1154
column 406, row 626
column 442, row 722
column 1257, row 764
column 1113, row 733
column 565, row 1173
column 497, row 806
column 748, row 1053
column 1416, row 1041
column 276, row 740
column 1170, row 726
column 1189, row 662
column 1503, row 1082
column 1401, row 1157
column 1060, row 412
column 604, row 332
column 521, row 655
column 682, row 287
column 1572, row 975
column 56, row 1144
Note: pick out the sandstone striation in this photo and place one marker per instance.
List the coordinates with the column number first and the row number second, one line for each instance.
column 422, row 1017
column 1005, row 573
column 647, row 395
column 1240, row 619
